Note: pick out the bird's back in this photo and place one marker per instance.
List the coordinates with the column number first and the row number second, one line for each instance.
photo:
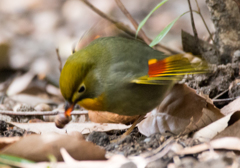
column 121, row 60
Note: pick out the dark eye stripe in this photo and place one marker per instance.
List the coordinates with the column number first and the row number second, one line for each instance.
column 82, row 89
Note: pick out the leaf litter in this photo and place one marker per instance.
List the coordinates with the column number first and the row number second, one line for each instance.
column 185, row 130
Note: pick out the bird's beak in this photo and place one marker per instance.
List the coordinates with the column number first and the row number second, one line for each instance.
column 69, row 108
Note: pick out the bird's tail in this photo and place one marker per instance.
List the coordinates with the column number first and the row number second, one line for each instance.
column 171, row 69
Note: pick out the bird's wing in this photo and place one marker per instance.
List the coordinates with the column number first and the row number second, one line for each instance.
column 161, row 72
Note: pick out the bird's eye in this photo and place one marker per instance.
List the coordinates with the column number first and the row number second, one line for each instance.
column 82, row 89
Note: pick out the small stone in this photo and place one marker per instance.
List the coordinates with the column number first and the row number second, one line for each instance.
column 236, row 56
column 147, row 140
column 162, row 139
column 43, row 107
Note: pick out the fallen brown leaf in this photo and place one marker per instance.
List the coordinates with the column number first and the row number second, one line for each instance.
column 231, row 107
column 107, row 117
column 210, row 114
column 174, row 114
column 20, row 83
column 232, row 130
column 207, row 133
column 5, row 141
column 38, row 147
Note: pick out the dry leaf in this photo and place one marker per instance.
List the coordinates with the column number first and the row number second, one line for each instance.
column 84, row 128
column 107, row 117
column 210, row 114
column 31, row 100
column 38, row 147
column 231, row 130
column 207, row 133
column 20, row 83
column 231, row 107
column 229, row 143
column 175, row 112
column 5, row 141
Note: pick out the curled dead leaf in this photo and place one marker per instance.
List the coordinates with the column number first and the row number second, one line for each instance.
column 181, row 111
column 207, row 133
column 20, row 83
column 175, row 112
column 230, row 131
column 210, row 114
column 231, row 107
column 38, row 147
column 107, row 117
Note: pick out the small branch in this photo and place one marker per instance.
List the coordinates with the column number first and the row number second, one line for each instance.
column 103, row 15
column 59, row 60
column 36, row 113
column 225, row 91
column 134, row 23
column 194, row 28
column 123, row 27
column 224, row 100
column 192, row 20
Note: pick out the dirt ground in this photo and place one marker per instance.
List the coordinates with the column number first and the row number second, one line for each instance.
column 26, row 48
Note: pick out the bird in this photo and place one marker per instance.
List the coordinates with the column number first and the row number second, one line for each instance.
column 120, row 75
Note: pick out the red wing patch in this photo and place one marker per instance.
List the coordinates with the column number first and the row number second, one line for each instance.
column 156, row 67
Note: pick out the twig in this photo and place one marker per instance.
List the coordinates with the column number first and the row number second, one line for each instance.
column 123, row 27
column 59, row 60
column 220, row 94
column 103, row 15
column 210, row 37
column 204, row 22
column 192, row 21
column 32, row 113
column 160, row 148
column 194, row 28
column 224, row 100
column 134, row 23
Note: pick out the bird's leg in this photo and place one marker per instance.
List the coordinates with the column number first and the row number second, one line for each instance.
column 129, row 130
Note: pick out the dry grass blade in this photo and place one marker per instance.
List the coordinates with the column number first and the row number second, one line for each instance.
column 59, row 60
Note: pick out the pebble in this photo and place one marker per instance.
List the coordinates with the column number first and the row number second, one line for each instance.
column 43, row 107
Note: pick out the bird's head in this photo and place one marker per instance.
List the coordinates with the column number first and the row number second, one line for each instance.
column 76, row 79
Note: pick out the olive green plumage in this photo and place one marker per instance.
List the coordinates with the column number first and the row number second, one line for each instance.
column 106, row 68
